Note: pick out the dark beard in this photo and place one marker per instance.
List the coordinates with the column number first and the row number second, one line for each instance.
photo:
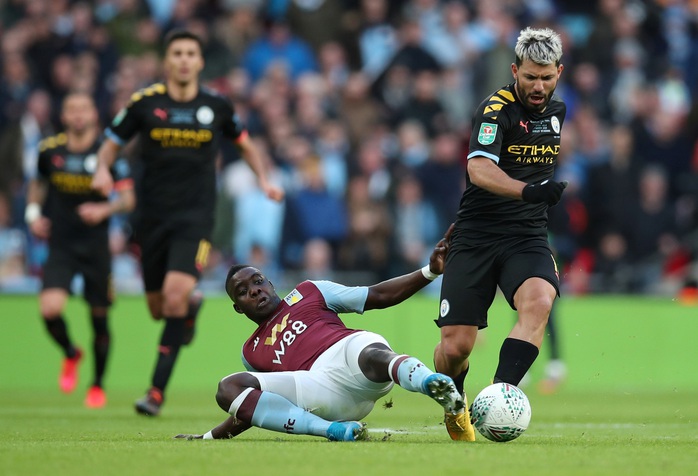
column 524, row 100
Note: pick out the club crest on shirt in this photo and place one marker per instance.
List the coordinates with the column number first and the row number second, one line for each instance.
column 204, row 115
column 90, row 163
column 556, row 124
column 293, row 297
column 487, row 133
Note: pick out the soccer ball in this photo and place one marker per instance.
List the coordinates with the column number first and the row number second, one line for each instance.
column 501, row 412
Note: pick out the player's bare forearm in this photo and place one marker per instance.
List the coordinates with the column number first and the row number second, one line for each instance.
column 486, row 174
column 394, row 291
column 230, row 428
column 102, row 181
column 254, row 159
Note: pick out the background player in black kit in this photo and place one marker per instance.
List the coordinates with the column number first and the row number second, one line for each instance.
column 63, row 208
column 180, row 126
column 500, row 238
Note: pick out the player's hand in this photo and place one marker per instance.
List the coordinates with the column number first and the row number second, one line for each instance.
column 189, row 437
column 102, row 181
column 437, row 260
column 273, row 192
column 547, row 191
column 93, row 213
column 41, row 228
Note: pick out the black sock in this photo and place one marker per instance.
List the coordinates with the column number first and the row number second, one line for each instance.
column 100, row 345
column 59, row 332
column 170, row 342
column 515, row 358
column 459, row 380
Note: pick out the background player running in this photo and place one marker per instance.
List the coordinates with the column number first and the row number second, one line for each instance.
column 301, row 356
column 180, row 125
column 65, row 210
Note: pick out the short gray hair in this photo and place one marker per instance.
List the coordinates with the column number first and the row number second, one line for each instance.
column 542, row 46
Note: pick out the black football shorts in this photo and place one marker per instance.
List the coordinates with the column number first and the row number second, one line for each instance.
column 473, row 273
column 172, row 248
column 93, row 262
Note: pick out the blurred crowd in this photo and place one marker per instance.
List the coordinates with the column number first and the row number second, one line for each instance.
column 362, row 109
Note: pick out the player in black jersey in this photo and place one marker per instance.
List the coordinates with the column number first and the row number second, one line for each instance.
column 500, row 238
column 180, row 126
column 63, row 208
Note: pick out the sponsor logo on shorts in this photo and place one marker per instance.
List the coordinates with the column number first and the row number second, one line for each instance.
column 293, row 297
column 487, row 133
column 444, row 308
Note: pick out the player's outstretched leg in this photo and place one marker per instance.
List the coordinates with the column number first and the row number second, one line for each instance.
column 273, row 412
column 196, row 300
column 411, row 374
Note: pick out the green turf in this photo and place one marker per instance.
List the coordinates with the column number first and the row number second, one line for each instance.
column 628, row 405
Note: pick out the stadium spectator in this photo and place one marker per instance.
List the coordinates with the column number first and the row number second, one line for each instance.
column 12, row 247
column 311, row 212
column 651, row 229
column 415, row 223
column 367, row 245
column 500, row 238
column 180, row 125
column 63, row 209
column 279, row 46
column 316, row 376
column 442, row 177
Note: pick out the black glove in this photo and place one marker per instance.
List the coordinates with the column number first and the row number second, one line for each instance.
column 547, row 191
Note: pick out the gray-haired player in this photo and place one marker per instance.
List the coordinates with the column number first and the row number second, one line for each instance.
column 500, row 236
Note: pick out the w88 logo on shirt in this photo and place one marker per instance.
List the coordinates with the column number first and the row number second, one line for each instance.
column 288, row 336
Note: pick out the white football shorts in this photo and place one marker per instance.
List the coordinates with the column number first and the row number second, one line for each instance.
column 334, row 388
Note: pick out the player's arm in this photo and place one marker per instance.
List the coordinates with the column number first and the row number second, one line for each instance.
column 394, row 291
column 39, row 225
column 102, row 180
column 254, row 159
column 230, row 428
column 94, row 213
column 486, row 174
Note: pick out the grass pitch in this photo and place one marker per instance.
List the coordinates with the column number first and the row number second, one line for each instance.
column 627, row 406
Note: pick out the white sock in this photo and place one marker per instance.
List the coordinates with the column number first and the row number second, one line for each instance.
column 411, row 373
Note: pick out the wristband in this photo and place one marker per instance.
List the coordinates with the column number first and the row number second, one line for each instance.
column 32, row 213
column 426, row 272
column 208, row 435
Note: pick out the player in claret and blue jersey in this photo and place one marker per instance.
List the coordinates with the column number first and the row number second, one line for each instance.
column 311, row 375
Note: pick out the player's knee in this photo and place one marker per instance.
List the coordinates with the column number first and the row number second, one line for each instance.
column 50, row 309
column 538, row 306
column 230, row 387
column 455, row 350
column 175, row 302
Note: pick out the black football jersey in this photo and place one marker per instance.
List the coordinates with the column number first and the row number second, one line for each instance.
column 69, row 178
column 525, row 145
column 178, row 148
